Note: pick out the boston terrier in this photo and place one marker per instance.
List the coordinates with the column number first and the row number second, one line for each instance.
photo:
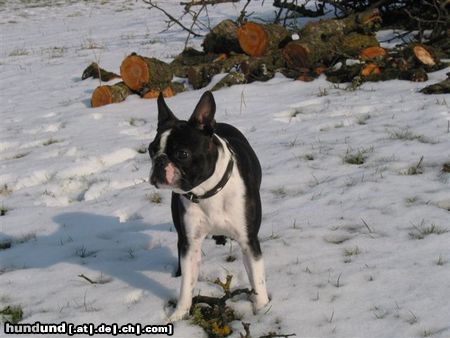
column 215, row 177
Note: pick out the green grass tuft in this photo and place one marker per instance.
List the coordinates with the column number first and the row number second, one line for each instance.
column 3, row 210
column 421, row 231
column 154, row 198
column 12, row 314
column 279, row 192
column 357, row 158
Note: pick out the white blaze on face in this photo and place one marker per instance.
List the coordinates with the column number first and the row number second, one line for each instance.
column 163, row 142
column 161, row 150
column 170, row 173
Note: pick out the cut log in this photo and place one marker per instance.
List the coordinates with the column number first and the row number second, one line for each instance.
column 139, row 71
column 344, row 74
column 312, row 50
column 306, row 77
column 442, row 87
column 423, row 55
column 104, row 95
column 351, row 44
column 371, row 53
column 320, row 70
column 192, row 57
column 232, row 78
column 419, row 55
column 300, row 74
column 297, row 54
column 199, row 76
column 94, row 71
column 222, row 38
column 262, row 68
column 171, row 90
column 327, row 41
column 256, row 39
column 364, row 23
column 154, row 93
column 370, row 69
column 374, row 73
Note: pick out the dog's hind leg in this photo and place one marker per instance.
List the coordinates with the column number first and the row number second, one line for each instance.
column 178, row 272
column 254, row 265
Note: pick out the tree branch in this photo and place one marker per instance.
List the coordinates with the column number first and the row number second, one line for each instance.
column 188, row 5
column 301, row 9
column 172, row 18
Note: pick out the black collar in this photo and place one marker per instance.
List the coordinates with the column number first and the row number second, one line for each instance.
column 218, row 187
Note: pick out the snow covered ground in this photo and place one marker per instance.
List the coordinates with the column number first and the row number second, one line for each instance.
column 351, row 250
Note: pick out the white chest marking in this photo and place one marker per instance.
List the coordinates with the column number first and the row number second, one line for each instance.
column 223, row 213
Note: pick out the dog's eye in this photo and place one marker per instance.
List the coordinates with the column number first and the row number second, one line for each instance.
column 182, row 155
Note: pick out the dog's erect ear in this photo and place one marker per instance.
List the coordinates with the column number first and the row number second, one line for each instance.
column 164, row 113
column 203, row 115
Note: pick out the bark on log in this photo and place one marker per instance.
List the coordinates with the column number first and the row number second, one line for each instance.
column 256, row 39
column 104, row 95
column 344, row 73
column 222, row 38
column 442, row 87
column 365, row 23
column 301, row 74
column 326, row 41
column 199, row 76
column 94, row 71
column 191, row 57
column 139, row 71
column 374, row 72
column 171, row 90
column 312, row 50
column 352, row 43
column 232, row 78
column 262, row 68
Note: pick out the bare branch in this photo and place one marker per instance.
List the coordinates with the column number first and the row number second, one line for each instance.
column 188, row 5
column 243, row 14
column 88, row 279
column 301, row 9
column 171, row 17
column 194, row 20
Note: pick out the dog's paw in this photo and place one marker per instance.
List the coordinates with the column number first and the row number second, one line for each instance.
column 177, row 315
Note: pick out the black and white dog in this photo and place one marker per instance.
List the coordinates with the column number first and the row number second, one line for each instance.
column 215, row 177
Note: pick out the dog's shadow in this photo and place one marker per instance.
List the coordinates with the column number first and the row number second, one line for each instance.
column 126, row 251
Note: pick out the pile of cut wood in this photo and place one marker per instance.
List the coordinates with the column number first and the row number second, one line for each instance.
column 255, row 52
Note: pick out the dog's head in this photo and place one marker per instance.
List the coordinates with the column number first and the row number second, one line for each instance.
column 184, row 153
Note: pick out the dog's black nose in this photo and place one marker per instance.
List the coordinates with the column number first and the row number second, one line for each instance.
column 161, row 161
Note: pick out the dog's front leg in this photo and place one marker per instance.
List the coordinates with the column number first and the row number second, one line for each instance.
column 190, row 265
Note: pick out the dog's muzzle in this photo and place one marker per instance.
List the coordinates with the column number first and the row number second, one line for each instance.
column 163, row 172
